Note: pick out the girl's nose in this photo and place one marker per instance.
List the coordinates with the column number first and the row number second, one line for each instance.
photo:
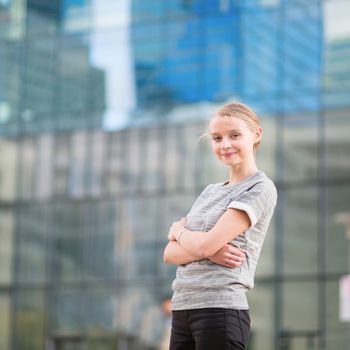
column 226, row 144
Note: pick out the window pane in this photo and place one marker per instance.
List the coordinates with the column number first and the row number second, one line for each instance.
column 266, row 154
column 101, row 305
column 267, row 264
column 301, row 147
column 61, row 164
column 300, row 232
column 8, row 161
column 5, row 318
column 66, row 311
column 78, row 166
column 70, row 345
column 337, row 335
column 116, row 172
column 134, row 312
column 76, row 16
column 46, row 155
column 96, row 162
column 27, row 167
column 100, row 239
column 300, row 307
column 258, row 74
column 102, row 344
column 7, row 227
column 337, row 144
column 153, row 156
column 262, row 308
column 137, row 240
column 172, row 165
column 29, row 320
column 338, row 248
column 38, row 84
column 10, row 71
column 32, row 242
column 66, row 242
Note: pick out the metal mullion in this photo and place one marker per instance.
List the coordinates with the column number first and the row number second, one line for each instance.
column 14, row 294
column 240, row 53
column 88, row 164
column 104, row 172
column 322, row 201
column 81, row 288
column 162, row 150
column 141, row 151
column 124, row 153
column 16, row 233
column 279, row 212
column 46, row 291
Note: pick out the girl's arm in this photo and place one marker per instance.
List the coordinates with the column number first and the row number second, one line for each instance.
column 228, row 255
column 175, row 254
column 202, row 245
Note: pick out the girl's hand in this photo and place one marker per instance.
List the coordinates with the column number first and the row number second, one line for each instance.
column 229, row 256
column 176, row 228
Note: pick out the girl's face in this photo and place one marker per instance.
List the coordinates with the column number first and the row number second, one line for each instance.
column 232, row 141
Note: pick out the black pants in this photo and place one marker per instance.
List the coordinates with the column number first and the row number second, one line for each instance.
column 210, row 329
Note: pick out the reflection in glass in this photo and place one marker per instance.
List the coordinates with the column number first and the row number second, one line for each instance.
column 4, row 320
column 26, row 177
column 61, row 164
column 66, row 310
column 100, row 241
column 262, row 308
column 100, row 309
column 338, row 248
column 337, row 144
column 85, row 209
column 300, row 298
column 31, row 244
column 29, row 320
column 66, row 242
column 301, row 142
column 300, row 231
column 338, row 336
column 7, row 226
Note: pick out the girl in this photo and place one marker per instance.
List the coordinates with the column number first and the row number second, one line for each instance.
column 209, row 304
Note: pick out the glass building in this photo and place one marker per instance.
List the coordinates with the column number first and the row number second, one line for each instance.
column 101, row 107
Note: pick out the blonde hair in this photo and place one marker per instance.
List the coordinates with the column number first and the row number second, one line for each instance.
column 238, row 110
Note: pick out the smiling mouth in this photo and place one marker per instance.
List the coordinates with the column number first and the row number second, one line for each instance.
column 229, row 154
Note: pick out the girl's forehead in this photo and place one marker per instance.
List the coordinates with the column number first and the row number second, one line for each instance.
column 222, row 124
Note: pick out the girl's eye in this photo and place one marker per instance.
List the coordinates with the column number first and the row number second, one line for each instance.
column 216, row 139
column 234, row 136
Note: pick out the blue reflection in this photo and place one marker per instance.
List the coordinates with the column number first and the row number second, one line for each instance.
column 270, row 57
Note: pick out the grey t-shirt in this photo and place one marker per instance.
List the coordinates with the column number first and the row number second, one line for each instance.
column 203, row 284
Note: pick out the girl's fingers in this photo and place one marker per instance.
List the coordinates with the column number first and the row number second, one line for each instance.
column 237, row 251
column 233, row 264
column 235, row 257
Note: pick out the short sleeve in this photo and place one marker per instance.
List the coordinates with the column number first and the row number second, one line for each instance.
column 258, row 201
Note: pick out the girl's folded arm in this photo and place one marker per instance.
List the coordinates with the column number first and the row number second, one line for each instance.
column 231, row 224
column 175, row 254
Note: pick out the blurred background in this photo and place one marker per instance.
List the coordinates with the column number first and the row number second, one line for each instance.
column 102, row 103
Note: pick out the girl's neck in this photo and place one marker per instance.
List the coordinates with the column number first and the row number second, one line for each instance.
column 238, row 174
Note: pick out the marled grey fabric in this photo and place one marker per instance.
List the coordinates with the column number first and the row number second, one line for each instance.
column 203, row 284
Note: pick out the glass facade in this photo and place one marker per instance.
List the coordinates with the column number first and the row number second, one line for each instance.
column 102, row 104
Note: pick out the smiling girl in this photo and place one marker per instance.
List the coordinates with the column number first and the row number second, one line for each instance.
column 217, row 245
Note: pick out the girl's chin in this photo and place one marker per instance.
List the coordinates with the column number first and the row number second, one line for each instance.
column 229, row 163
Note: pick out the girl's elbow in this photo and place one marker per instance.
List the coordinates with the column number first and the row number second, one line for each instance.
column 166, row 257
column 204, row 251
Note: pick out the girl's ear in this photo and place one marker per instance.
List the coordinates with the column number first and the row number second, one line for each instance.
column 258, row 134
